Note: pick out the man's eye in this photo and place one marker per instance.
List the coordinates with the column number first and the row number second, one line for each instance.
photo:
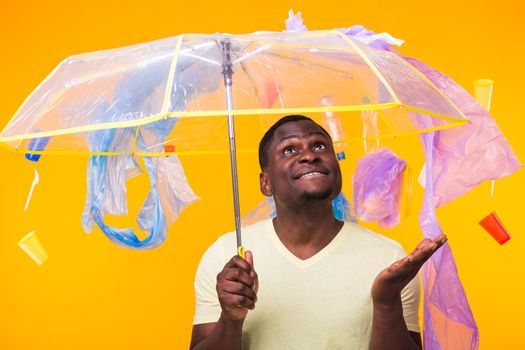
column 319, row 146
column 288, row 150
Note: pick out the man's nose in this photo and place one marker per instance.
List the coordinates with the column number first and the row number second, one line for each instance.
column 308, row 156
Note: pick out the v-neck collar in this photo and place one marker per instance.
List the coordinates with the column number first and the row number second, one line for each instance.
column 311, row 260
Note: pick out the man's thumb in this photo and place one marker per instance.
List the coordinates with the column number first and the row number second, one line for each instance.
column 249, row 258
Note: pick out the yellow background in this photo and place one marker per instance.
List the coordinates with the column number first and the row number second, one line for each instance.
column 92, row 294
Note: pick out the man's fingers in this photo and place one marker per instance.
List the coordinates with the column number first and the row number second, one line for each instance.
column 242, row 301
column 441, row 239
column 425, row 249
column 237, row 275
column 239, row 289
column 239, row 262
column 233, row 295
column 249, row 260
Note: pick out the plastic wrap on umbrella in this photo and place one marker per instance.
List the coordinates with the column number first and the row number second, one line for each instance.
column 378, row 185
column 456, row 161
column 466, row 156
column 448, row 319
column 266, row 209
column 380, row 41
column 294, row 23
column 107, row 175
column 169, row 192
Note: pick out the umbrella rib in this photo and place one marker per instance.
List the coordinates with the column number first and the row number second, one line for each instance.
column 171, row 77
column 256, row 91
column 92, row 76
column 387, row 123
column 454, row 124
column 134, row 144
column 371, row 65
column 214, row 113
column 204, row 59
column 47, row 78
column 429, row 82
column 338, row 71
column 245, row 57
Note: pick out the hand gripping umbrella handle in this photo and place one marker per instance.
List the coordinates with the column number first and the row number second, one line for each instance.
column 241, row 252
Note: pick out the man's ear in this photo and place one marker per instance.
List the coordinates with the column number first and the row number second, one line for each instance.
column 266, row 186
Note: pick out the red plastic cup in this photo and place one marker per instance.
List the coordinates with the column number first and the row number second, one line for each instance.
column 492, row 224
column 169, row 148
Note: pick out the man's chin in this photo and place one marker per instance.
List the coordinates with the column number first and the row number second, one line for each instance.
column 317, row 195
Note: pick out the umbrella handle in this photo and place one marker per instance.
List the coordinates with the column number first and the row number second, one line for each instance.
column 241, row 252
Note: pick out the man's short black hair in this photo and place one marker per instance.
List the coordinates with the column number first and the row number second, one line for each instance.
column 267, row 139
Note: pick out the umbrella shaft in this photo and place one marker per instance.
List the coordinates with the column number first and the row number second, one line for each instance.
column 233, row 161
column 235, row 184
column 227, row 72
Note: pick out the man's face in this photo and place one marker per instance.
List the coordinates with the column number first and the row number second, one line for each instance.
column 301, row 165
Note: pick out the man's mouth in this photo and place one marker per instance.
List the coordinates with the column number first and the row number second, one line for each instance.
column 312, row 173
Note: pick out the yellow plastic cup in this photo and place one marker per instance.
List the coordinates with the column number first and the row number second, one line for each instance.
column 483, row 92
column 32, row 246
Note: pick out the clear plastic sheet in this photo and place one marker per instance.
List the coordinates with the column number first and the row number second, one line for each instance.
column 448, row 319
column 378, row 185
column 466, row 156
column 181, row 78
column 107, row 175
column 456, row 160
column 169, row 194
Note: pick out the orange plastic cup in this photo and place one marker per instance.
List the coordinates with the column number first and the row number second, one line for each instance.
column 492, row 224
column 169, row 148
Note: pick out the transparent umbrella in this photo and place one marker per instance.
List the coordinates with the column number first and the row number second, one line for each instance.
column 181, row 95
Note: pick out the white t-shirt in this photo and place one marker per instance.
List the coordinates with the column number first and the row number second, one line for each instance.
column 323, row 302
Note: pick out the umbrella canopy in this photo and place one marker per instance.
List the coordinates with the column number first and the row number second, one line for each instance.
column 172, row 96
column 182, row 78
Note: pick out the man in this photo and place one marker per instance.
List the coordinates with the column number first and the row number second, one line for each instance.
column 319, row 283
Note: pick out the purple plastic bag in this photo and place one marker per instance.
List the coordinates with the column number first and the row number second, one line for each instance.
column 448, row 319
column 378, row 184
column 457, row 160
column 294, row 23
column 468, row 155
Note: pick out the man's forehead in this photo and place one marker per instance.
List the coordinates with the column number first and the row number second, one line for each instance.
column 300, row 128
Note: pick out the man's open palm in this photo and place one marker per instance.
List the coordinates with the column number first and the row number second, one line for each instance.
column 390, row 282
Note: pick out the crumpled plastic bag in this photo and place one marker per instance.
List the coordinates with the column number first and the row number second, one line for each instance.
column 107, row 176
column 470, row 151
column 468, row 155
column 447, row 312
column 170, row 192
column 378, row 185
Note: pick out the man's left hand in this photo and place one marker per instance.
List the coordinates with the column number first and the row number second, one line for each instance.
column 387, row 287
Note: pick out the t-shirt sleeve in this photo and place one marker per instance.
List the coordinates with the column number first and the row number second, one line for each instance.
column 208, row 308
column 410, row 298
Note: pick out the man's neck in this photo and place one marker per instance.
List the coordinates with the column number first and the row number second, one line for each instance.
column 307, row 229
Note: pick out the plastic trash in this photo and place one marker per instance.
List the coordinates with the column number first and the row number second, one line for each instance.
column 36, row 179
column 169, row 194
column 332, row 123
column 32, row 246
column 370, row 131
column 378, row 185
column 493, row 225
column 465, row 156
column 38, row 144
column 447, row 313
column 483, row 92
